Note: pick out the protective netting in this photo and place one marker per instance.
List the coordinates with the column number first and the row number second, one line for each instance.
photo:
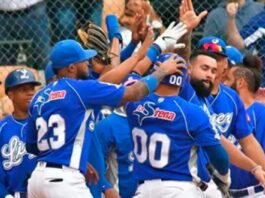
column 29, row 28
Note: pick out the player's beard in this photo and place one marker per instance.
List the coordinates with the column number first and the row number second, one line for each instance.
column 233, row 86
column 82, row 75
column 200, row 88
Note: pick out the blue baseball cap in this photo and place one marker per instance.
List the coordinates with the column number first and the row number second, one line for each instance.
column 212, row 44
column 67, row 52
column 172, row 79
column 49, row 73
column 235, row 57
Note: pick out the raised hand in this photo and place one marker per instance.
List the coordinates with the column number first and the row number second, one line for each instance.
column 232, row 9
column 188, row 16
column 168, row 40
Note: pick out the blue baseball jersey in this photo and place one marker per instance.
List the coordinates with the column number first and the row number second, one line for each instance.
column 16, row 163
column 62, row 117
column 253, row 34
column 166, row 133
column 229, row 115
column 188, row 93
column 114, row 134
column 257, row 114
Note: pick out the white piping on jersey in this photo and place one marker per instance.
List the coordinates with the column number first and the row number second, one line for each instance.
column 185, row 120
column 192, row 163
column 194, row 94
column 255, row 120
column 76, row 93
column 3, row 125
column 227, row 95
column 120, row 111
column 259, row 33
column 112, row 168
column 232, row 100
column 215, row 98
column 19, row 123
column 79, row 141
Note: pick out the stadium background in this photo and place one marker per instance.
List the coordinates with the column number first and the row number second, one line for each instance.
column 63, row 18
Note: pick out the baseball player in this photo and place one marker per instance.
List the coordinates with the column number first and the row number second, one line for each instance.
column 230, row 116
column 202, row 73
column 166, row 132
column 49, row 74
column 115, row 138
column 62, row 118
column 16, row 164
column 246, row 82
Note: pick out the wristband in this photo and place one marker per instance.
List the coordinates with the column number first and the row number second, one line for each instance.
column 153, row 52
column 127, row 52
column 151, row 83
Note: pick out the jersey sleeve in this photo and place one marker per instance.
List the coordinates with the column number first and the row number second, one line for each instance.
column 242, row 123
column 105, row 136
column 30, row 132
column 3, row 184
column 93, row 92
column 96, row 159
column 201, row 129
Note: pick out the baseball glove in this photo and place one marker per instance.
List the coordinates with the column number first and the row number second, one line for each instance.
column 93, row 37
column 222, row 186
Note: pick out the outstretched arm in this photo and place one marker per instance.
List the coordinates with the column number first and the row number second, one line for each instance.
column 188, row 16
column 233, row 36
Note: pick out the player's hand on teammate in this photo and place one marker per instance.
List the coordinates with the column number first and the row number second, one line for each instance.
column 173, row 65
column 259, row 175
column 92, row 174
column 232, row 9
column 169, row 38
column 188, row 16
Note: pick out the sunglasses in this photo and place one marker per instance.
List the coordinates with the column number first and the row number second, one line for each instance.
column 213, row 47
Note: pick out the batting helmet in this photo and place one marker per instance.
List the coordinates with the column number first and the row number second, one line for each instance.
column 173, row 79
column 20, row 77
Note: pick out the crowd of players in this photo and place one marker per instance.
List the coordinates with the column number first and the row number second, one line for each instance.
column 174, row 116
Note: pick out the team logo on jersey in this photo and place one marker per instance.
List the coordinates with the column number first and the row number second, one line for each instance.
column 147, row 110
column 222, row 121
column 13, row 153
column 42, row 99
column 57, row 95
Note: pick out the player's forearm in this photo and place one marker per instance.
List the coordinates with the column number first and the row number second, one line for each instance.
column 143, row 87
column 114, row 52
column 253, row 150
column 143, row 66
column 233, row 36
column 236, row 157
column 117, row 74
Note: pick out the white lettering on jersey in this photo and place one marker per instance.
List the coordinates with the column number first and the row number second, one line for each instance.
column 14, row 152
column 222, row 120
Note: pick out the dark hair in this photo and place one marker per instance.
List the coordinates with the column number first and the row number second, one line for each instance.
column 254, row 64
column 197, row 53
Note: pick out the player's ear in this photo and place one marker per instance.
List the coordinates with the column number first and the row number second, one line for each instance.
column 10, row 94
column 240, row 82
column 71, row 68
